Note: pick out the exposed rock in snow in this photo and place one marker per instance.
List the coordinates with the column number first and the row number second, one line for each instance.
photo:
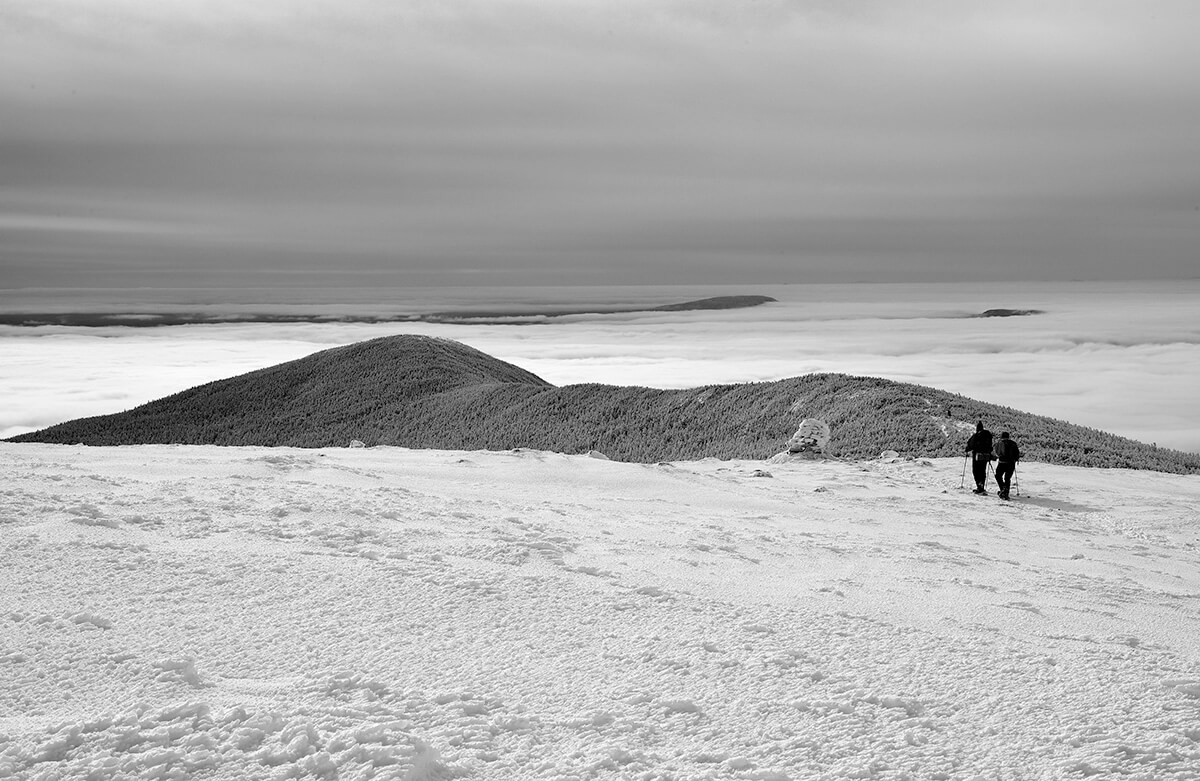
column 811, row 437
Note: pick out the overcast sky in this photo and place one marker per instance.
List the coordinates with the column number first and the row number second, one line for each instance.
column 180, row 142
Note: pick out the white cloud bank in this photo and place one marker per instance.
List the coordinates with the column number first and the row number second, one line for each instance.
column 234, row 613
column 1123, row 357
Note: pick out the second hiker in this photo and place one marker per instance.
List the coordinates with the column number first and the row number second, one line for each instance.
column 1007, row 456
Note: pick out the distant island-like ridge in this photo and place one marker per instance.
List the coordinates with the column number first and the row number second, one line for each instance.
column 1009, row 313
column 427, row 392
column 509, row 316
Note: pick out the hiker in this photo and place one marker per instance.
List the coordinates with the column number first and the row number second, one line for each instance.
column 1007, row 455
column 979, row 448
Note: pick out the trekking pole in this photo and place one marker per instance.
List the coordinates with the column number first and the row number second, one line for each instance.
column 1016, row 482
column 962, row 482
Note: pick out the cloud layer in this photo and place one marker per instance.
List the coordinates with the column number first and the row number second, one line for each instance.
column 1123, row 358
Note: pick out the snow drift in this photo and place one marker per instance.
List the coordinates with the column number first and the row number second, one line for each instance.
column 230, row 613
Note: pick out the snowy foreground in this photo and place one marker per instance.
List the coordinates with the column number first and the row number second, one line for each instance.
column 245, row 613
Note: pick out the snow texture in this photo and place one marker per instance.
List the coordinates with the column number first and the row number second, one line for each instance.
column 380, row 613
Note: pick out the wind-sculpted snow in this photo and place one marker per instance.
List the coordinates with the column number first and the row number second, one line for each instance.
column 230, row 613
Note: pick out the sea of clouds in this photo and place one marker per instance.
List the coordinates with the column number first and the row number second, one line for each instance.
column 1122, row 357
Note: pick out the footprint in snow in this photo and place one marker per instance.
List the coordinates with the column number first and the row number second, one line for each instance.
column 593, row 571
column 1028, row 607
column 654, row 592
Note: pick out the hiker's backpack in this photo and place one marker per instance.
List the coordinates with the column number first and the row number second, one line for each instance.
column 1004, row 450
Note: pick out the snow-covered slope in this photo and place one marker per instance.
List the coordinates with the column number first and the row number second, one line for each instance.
column 229, row 613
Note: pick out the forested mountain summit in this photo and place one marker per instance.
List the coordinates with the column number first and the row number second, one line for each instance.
column 426, row 392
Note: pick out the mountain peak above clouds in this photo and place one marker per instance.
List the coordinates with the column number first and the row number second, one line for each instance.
column 430, row 363
column 420, row 391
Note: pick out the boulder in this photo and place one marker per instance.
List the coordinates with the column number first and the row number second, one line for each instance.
column 811, row 437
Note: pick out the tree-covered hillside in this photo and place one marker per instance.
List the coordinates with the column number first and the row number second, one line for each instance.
column 415, row 391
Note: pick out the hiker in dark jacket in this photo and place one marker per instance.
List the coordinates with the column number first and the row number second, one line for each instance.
column 979, row 447
column 1007, row 456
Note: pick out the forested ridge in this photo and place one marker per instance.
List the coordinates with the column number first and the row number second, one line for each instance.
column 424, row 392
